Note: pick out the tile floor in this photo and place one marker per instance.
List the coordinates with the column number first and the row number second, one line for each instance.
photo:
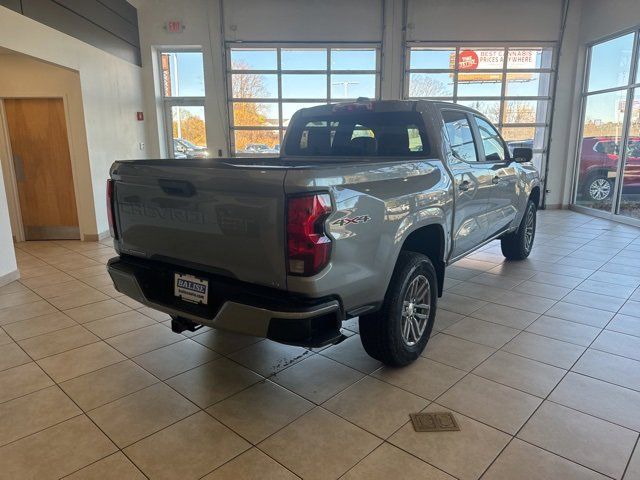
column 539, row 359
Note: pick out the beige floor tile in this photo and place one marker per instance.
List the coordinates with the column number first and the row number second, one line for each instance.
column 97, row 310
column 618, row 344
column 594, row 300
column 34, row 412
column 456, row 352
column 37, row 271
column 336, row 445
column 594, row 443
column 176, row 358
column 5, row 338
column 497, row 405
column 481, row 292
column 13, row 287
column 610, row 368
column 113, row 467
column 55, row 452
column 97, row 388
column 57, row 342
column 43, row 280
column 267, row 357
column 259, row 411
column 351, row 352
column 38, row 325
column 130, row 302
column 144, row 340
column 71, row 300
column 376, row 406
column 210, row 444
column 23, row 312
column 500, row 281
column 18, row 381
column 61, row 288
column 580, row 314
column 444, row 319
column 507, row 316
column 554, row 292
column 564, row 330
column 387, row 462
column 609, row 402
column 625, row 324
column 544, row 349
column 464, row 454
column 157, row 315
column 96, row 281
column 633, row 469
column 251, row 465
column 88, row 271
column 424, row 377
column 213, row 381
column 459, row 303
column 317, row 378
column 479, row 331
column 521, row 373
column 522, row 301
column 18, row 298
column 523, row 460
column 11, row 355
column 142, row 413
column 79, row 361
column 119, row 324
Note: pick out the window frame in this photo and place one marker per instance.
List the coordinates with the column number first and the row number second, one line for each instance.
column 279, row 100
column 507, row 154
column 458, row 46
column 474, row 134
column 630, row 87
column 167, row 102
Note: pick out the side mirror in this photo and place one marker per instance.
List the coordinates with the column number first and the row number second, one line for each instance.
column 522, row 154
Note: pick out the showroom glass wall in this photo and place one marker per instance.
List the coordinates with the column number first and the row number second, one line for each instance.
column 608, row 160
column 267, row 84
column 182, row 92
column 509, row 84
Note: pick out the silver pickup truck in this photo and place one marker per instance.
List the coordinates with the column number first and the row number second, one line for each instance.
column 359, row 217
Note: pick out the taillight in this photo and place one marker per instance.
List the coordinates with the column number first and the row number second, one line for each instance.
column 308, row 246
column 110, row 209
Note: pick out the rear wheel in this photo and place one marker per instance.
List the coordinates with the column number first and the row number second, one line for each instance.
column 518, row 245
column 399, row 331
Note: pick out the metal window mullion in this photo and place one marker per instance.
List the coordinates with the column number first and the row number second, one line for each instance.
column 503, row 87
column 578, row 140
column 279, row 99
column 328, row 73
column 455, row 75
column 626, row 123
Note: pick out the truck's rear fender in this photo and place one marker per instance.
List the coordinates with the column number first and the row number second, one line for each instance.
column 376, row 207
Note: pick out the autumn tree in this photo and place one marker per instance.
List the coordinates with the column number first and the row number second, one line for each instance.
column 251, row 114
column 191, row 127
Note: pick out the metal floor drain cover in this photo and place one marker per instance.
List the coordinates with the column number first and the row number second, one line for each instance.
column 434, row 422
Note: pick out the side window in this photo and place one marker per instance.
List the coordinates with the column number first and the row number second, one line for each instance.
column 494, row 150
column 458, row 130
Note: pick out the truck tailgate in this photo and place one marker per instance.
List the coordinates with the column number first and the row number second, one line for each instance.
column 221, row 216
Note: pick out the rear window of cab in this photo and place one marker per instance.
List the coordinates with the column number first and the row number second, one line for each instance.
column 358, row 133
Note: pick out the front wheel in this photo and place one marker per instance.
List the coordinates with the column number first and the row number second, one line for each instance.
column 398, row 333
column 518, row 245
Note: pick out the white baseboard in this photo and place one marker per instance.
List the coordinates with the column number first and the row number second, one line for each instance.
column 9, row 277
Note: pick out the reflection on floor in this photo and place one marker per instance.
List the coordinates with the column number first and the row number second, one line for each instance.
column 539, row 360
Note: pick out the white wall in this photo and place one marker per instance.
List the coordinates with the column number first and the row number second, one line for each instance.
column 111, row 92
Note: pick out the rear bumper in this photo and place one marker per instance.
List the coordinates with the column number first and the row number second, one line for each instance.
column 233, row 306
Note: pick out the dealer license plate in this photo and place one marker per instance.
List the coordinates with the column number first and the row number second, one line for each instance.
column 190, row 288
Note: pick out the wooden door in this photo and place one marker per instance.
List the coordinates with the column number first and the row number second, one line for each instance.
column 42, row 164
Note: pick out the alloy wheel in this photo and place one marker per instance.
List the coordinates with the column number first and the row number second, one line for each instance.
column 415, row 310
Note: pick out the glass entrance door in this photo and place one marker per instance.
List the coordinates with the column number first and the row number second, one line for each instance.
column 608, row 164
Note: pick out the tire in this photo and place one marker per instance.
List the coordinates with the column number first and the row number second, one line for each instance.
column 598, row 187
column 382, row 332
column 518, row 245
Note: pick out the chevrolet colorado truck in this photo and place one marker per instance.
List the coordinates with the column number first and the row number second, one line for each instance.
column 359, row 216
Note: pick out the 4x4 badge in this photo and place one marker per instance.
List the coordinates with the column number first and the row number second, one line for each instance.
column 349, row 220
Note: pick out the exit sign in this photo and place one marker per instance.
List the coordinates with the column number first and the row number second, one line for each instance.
column 174, row 26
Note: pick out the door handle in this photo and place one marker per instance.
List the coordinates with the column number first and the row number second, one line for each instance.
column 495, row 180
column 18, row 168
column 464, row 186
